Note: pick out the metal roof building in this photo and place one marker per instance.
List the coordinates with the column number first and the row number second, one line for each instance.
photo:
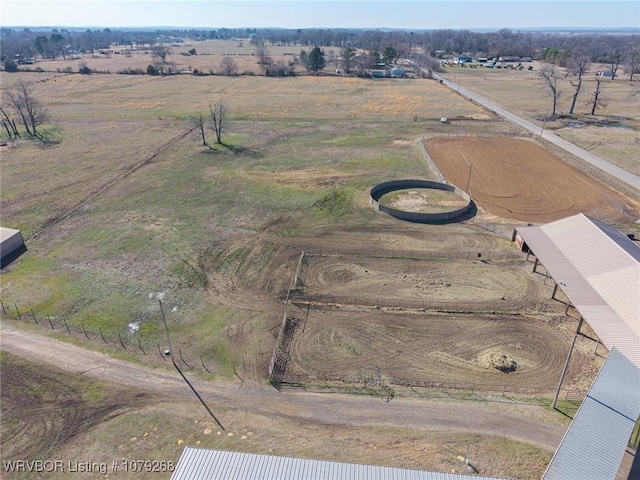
column 204, row 464
column 598, row 269
column 596, row 440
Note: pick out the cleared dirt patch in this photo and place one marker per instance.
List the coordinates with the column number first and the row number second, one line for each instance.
column 519, row 180
column 414, row 349
column 43, row 408
column 455, row 283
column 423, row 200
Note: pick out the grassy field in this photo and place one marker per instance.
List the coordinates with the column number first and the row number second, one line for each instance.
column 613, row 133
column 152, row 231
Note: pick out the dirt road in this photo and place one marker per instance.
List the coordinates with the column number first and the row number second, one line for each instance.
column 518, row 422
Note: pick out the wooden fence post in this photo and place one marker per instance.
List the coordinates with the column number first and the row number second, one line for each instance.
column 85, row 332
column 105, row 341
column 205, row 367
column 140, row 345
column 18, row 311
column 180, row 353
column 122, row 343
column 34, row 317
column 50, row 322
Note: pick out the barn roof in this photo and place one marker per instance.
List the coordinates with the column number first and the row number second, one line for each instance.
column 595, row 442
column 203, row 464
column 598, row 269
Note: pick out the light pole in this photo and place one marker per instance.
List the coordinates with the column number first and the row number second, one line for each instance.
column 170, row 352
column 468, row 178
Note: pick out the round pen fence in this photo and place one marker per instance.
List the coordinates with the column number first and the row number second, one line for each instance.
column 464, row 213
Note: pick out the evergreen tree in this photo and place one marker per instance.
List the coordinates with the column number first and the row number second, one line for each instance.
column 316, row 60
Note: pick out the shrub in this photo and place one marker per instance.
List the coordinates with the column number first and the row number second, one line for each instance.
column 10, row 66
column 151, row 70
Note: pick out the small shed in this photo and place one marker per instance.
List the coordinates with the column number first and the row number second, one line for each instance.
column 11, row 244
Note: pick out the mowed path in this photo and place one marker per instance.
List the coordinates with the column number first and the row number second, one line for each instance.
column 519, row 180
column 523, row 423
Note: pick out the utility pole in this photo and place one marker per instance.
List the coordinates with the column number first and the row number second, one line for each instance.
column 468, row 178
column 544, row 122
column 170, row 353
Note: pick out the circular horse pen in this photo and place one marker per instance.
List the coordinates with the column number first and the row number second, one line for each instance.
column 459, row 214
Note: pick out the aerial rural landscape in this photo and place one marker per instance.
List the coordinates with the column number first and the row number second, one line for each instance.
column 205, row 264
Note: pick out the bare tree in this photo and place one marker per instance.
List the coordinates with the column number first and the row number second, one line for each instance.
column 578, row 65
column 218, row 112
column 598, row 99
column 633, row 60
column 549, row 77
column 9, row 125
column 31, row 112
column 228, row 67
column 614, row 59
column 347, row 54
column 199, row 124
column 161, row 52
column 267, row 65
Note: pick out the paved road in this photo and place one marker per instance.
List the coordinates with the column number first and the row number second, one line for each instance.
column 598, row 162
column 523, row 423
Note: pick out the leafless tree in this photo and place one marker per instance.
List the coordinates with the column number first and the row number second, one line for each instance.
column 633, row 60
column 347, row 54
column 161, row 52
column 598, row 99
column 549, row 76
column 218, row 112
column 199, row 123
column 578, row 65
column 9, row 124
column 30, row 110
column 615, row 59
column 228, row 67
column 267, row 65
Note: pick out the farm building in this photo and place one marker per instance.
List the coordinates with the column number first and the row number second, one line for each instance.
column 201, row 464
column 598, row 269
column 11, row 243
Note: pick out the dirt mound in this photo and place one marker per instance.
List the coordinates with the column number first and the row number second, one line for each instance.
column 499, row 361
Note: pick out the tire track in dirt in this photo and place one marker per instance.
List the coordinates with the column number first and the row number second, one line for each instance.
column 519, row 180
column 510, row 421
column 453, row 281
column 422, row 349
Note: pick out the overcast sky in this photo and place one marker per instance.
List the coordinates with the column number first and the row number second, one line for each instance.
column 412, row 14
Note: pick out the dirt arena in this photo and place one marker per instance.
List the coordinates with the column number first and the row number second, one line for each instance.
column 456, row 350
column 519, row 180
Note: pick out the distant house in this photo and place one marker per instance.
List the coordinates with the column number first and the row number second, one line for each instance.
column 397, row 72
column 604, row 73
column 462, row 59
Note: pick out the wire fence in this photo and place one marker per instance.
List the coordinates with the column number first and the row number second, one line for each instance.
column 131, row 340
column 387, row 389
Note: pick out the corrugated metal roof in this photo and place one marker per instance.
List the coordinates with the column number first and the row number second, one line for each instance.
column 204, row 464
column 595, row 442
column 598, row 268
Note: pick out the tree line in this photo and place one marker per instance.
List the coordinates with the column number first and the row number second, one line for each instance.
column 55, row 43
